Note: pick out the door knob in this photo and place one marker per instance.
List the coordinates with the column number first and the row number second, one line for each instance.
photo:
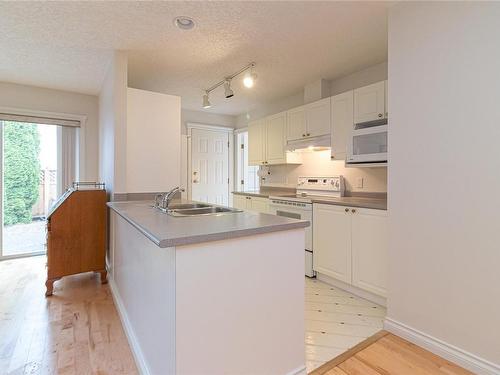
column 380, row 115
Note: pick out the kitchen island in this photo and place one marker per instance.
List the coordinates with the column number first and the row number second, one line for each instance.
column 209, row 294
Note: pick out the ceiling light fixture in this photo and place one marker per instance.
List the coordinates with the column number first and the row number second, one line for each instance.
column 206, row 102
column 248, row 81
column 227, row 89
column 184, row 23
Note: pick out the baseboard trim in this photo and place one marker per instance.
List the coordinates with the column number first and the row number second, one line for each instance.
column 456, row 355
column 298, row 371
column 129, row 332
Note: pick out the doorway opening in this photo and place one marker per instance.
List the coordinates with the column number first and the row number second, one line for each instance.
column 30, row 185
column 247, row 175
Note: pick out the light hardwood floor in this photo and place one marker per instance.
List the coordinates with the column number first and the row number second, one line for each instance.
column 386, row 354
column 76, row 331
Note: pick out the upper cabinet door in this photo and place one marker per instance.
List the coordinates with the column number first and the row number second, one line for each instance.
column 369, row 103
column 275, row 139
column 256, row 142
column 296, row 123
column 318, row 120
column 342, row 123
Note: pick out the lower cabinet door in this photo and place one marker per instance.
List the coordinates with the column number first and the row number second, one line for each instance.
column 260, row 205
column 240, row 201
column 369, row 250
column 332, row 241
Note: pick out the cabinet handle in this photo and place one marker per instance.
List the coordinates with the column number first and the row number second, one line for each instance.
column 308, row 134
column 346, row 209
column 380, row 115
column 303, row 135
column 353, row 211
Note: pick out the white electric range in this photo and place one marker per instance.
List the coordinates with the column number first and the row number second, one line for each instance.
column 300, row 206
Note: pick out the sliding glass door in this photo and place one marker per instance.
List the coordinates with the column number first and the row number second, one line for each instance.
column 30, row 183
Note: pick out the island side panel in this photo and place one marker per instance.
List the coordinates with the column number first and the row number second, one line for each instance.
column 240, row 305
column 143, row 285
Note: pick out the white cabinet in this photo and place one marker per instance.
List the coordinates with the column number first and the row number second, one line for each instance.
column 240, row 202
column 310, row 120
column 251, row 203
column 257, row 142
column 318, row 118
column 332, row 241
column 267, row 142
column 258, row 204
column 369, row 103
column 296, row 123
column 369, row 250
column 276, row 139
column 342, row 123
column 350, row 245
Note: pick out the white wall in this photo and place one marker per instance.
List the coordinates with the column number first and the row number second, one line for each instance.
column 41, row 99
column 113, row 125
column 444, row 172
column 153, row 141
column 206, row 118
column 318, row 163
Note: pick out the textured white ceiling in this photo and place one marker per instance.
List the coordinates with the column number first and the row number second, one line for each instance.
column 67, row 45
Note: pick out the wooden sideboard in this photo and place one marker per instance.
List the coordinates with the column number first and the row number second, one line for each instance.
column 76, row 236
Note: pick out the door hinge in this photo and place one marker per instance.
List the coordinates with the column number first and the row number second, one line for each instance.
column 242, row 146
column 242, row 182
column 227, row 144
column 228, row 181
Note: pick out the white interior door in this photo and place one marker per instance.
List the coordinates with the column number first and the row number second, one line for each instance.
column 210, row 166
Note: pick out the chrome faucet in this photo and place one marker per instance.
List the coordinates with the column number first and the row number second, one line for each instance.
column 167, row 197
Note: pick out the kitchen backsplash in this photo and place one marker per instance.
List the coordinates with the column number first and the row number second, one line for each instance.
column 318, row 163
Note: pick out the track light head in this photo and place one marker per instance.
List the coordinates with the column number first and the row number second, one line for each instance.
column 228, row 92
column 206, row 102
column 250, row 78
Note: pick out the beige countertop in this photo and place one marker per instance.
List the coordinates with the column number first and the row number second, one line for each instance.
column 168, row 231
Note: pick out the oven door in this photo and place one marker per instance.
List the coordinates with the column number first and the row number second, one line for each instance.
column 294, row 212
column 368, row 145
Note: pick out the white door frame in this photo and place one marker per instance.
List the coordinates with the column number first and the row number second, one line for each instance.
column 80, row 172
column 230, row 131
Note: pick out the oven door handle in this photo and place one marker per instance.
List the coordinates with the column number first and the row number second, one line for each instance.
column 292, row 215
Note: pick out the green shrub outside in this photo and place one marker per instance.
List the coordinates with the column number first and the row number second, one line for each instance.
column 21, row 171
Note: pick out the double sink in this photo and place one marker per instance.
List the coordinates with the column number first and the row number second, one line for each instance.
column 196, row 209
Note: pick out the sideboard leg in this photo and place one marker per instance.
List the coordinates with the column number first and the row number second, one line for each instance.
column 50, row 286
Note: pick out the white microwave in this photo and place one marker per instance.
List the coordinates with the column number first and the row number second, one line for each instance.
column 368, row 145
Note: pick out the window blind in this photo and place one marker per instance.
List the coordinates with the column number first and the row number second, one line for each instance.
column 39, row 120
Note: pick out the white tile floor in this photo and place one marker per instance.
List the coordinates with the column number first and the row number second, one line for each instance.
column 336, row 321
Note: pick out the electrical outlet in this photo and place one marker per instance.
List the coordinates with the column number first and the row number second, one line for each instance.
column 359, row 182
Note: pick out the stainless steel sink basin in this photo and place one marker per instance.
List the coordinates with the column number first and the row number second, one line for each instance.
column 208, row 210
column 184, row 206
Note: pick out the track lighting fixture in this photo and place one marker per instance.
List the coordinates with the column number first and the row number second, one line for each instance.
column 248, row 81
column 206, row 102
column 227, row 89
